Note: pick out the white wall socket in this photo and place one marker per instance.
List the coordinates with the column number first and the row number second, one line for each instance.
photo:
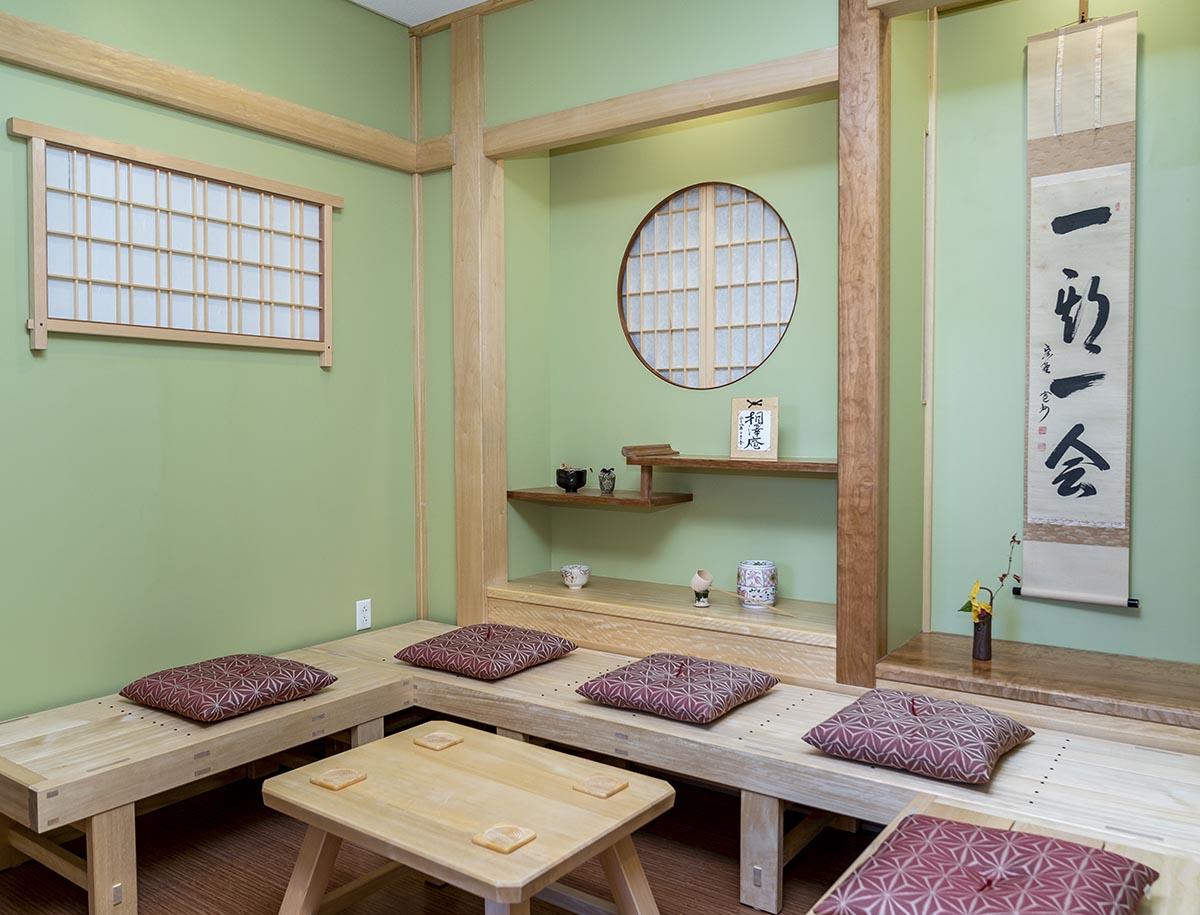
column 362, row 614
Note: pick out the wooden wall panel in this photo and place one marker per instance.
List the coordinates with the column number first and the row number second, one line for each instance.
column 479, row 335
column 864, row 151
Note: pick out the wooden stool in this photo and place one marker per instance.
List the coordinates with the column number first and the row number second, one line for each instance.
column 435, row 805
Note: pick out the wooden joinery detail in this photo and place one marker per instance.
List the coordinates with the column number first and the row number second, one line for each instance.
column 49, row 50
column 863, row 278
column 757, row 84
column 479, row 336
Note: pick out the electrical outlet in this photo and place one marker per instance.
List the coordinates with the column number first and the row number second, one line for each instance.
column 362, row 614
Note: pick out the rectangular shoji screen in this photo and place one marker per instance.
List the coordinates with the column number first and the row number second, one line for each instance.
column 125, row 242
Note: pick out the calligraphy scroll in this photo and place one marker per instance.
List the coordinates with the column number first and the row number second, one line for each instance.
column 1082, row 134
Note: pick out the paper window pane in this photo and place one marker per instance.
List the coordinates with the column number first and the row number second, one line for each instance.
column 102, row 177
column 251, row 206
column 312, row 221
column 143, row 226
column 693, row 309
column 60, row 256
column 771, row 303
column 281, row 214
column 678, row 309
column 311, row 324
column 58, row 168
column 312, row 291
column 217, row 274
column 143, row 186
column 770, row 337
column 58, row 212
column 281, row 286
column 180, row 193
column 754, row 264
column 754, row 220
column 145, row 307
column 122, row 306
column 81, row 259
column 60, row 299
column 754, row 350
column 250, row 283
column 104, row 303
column 722, row 306
column 218, row 315
column 281, row 250
column 787, row 294
column 693, row 348
column 104, row 262
column 738, row 299
column 737, row 351
column 183, row 312
column 104, row 219
column 633, row 312
column 737, row 255
column 250, row 318
column 181, row 273
column 217, row 201
column 788, row 258
column 312, row 255
column 123, row 222
column 721, row 339
column 218, row 239
column 693, row 379
column 722, row 193
column 754, row 305
column 143, row 267
column 251, row 245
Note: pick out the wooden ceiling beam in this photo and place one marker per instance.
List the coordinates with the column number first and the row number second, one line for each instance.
column 758, row 84
column 49, row 50
column 892, row 8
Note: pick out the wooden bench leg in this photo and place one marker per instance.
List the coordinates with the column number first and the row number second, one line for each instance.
column 511, row 735
column 310, row 876
column 505, row 908
column 762, row 852
column 9, row 856
column 627, row 880
column 366, row 732
column 112, row 862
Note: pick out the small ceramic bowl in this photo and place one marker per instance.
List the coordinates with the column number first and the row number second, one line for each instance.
column 571, row 479
column 575, row 575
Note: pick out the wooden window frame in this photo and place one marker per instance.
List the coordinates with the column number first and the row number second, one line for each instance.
column 708, row 253
column 40, row 324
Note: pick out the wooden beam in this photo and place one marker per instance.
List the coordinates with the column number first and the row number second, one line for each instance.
column 48, row 854
column 758, row 84
column 892, row 8
column 864, row 96
column 420, row 454
column 435, row 154
column 58, row 53
column 481, row 509
column 444, row 22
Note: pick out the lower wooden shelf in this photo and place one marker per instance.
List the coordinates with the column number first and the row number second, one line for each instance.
column 1167, row 692
column 795, row 640
column 593, row 498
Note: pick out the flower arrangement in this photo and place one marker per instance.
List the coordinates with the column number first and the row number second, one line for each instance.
column 981, row 611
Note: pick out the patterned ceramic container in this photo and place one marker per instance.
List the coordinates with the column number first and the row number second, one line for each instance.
column 575, row 575
column 757, row 583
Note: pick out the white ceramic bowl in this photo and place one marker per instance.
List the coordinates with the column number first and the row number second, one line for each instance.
column 575, row 575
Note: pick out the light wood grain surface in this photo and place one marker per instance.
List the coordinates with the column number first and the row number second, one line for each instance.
column 421, row 807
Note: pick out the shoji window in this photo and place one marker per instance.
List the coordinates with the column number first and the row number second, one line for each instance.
column 125, row 242
column 708, row 285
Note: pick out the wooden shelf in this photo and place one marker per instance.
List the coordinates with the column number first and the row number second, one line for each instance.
column 1164, row 691
column 593, row 498
column 817, row 467
column 807, row 622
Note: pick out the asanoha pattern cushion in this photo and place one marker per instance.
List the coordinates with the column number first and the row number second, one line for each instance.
column 487, row 651
column 679, row 687
column 932, row 866
column 225, row 687
column 947, row 740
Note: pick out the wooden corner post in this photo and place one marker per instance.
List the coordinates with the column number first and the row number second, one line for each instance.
column 480, row 472
column 864, row 125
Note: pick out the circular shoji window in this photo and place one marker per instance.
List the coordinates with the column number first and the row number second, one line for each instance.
column 708, row 285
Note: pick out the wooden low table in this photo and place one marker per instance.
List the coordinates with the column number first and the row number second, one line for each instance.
column 423, row 807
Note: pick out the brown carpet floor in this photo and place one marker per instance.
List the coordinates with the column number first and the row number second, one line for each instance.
column 224, row 854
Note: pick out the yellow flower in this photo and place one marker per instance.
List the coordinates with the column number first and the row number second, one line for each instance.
column 975, row 591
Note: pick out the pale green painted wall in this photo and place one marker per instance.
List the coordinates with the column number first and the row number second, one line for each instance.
column 980, row 332
column 164, row 503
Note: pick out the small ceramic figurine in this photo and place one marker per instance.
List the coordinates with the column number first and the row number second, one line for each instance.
column 571, row 479
column 757, row 584
column 575, row 575
column 701, row 583
column 608, row 480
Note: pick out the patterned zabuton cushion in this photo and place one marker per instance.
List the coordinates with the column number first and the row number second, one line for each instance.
column 679, row 687
column 947, row 740
column 487, row 651
column 930, row 865
column 224, row 687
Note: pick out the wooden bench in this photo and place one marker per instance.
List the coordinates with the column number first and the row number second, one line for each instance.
column 1176, row 892
column 89, row 763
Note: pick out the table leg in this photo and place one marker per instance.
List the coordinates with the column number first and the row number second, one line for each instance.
column 310, row 876
column 112, row 863
column 505, row 908
column 627, row 880
column 367, row 732
column 762, row 852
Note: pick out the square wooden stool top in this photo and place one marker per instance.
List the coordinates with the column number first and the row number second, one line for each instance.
column 423, row 807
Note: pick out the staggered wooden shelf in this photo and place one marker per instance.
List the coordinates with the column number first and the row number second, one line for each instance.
column 1164, row 691
column 593, row 498
column 818, row 467
column 795, row 640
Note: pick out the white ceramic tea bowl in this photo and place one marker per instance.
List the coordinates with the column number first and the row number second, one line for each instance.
column 575, row 575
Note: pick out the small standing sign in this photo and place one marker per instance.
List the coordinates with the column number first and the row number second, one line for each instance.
column 754, row 435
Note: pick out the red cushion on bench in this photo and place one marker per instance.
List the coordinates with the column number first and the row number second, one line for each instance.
column 225, row 687
column 934, row 865
column 487, row 651
column 943, row 739
column 679, row 687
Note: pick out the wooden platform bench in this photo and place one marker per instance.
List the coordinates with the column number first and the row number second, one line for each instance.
column 91, row 762
column 1176, row 892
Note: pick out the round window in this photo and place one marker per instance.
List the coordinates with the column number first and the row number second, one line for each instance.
column 708, row 285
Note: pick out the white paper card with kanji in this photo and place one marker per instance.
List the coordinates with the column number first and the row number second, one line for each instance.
column 1079, row 347
column 754, row 434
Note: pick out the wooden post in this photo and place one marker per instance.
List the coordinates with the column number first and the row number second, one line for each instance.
column 864, row 66
column 112, row 862
column 480, row 472
column 420, row 454
column 762, row 852
column 366, row 732
column 310, row 876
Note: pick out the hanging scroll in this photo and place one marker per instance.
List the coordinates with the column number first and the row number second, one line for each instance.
column 1082, row 134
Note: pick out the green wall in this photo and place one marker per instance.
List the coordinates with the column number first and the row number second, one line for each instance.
column 165, row 503
column 980, row 326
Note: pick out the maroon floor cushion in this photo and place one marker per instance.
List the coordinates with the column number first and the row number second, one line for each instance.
column 679, row 687
column 487, row 651
column 931, row 866
column 225, row 687
column 942, row 739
